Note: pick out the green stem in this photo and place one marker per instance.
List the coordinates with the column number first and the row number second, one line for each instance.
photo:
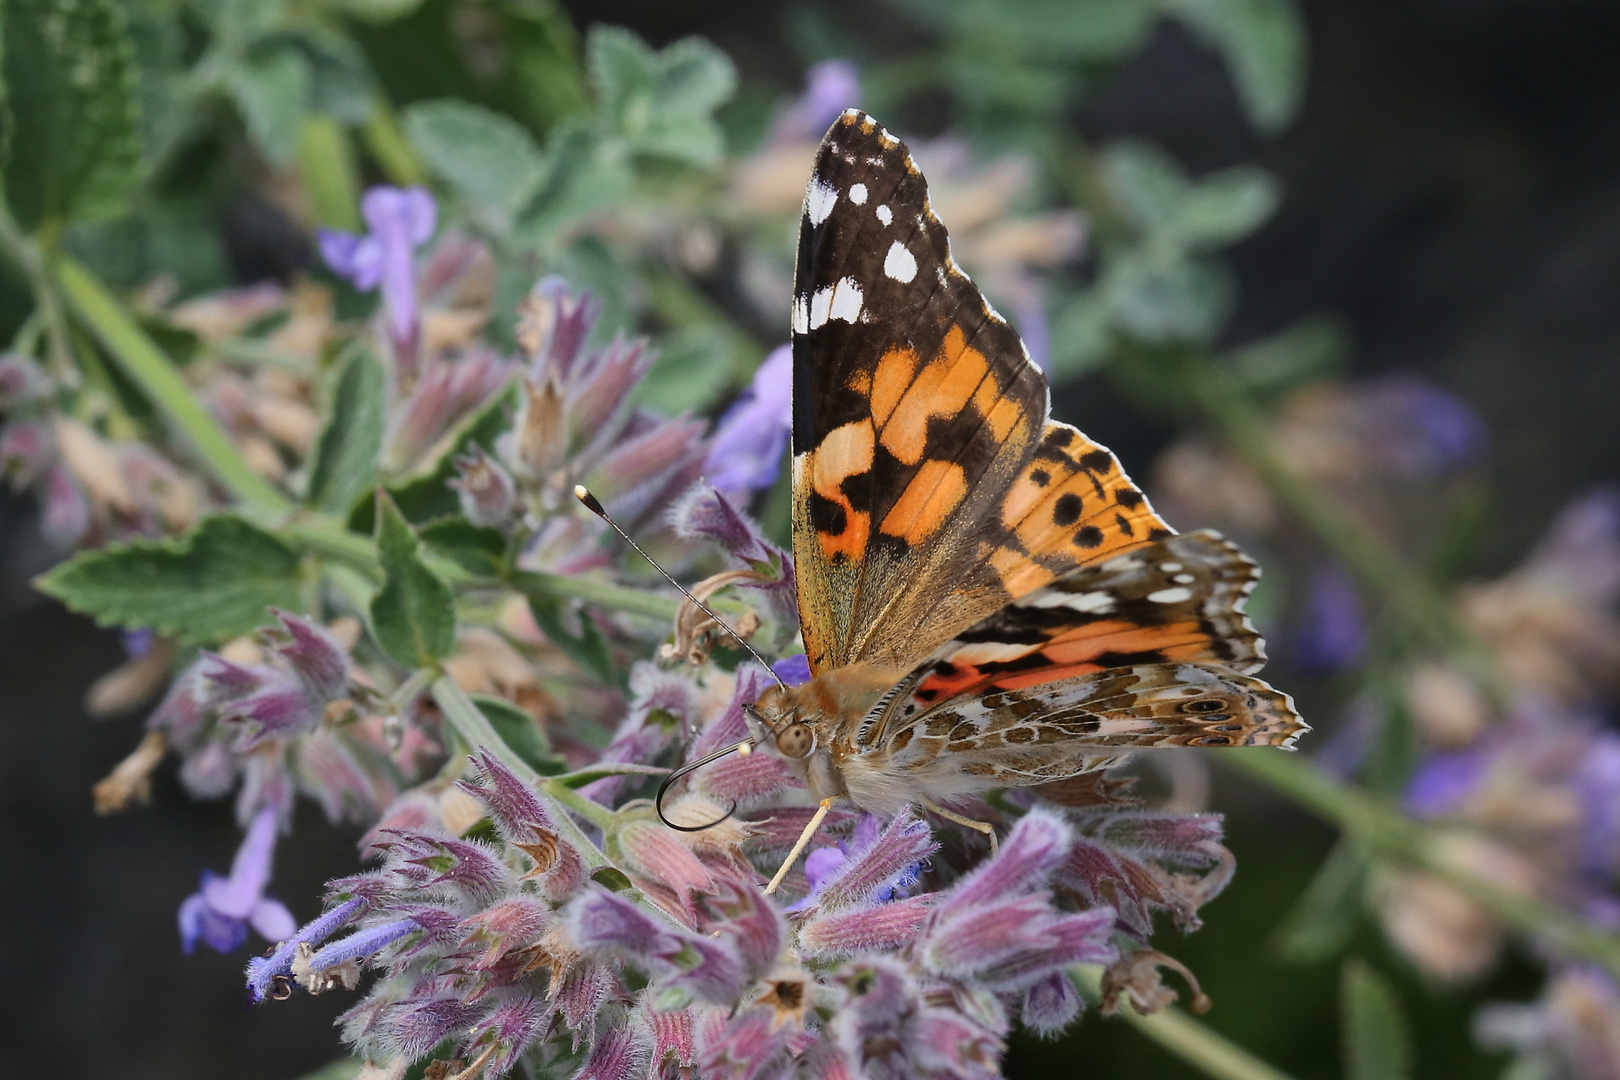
column 593, row 812
column 1184, row 1037
column 1382, row 831
column 47, row 304
column 1379, row 566
column 146, row 365
column 605, row 594
column 474, row 727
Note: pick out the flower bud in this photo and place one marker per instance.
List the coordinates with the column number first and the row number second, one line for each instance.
column 485, row 489
column 539, row 441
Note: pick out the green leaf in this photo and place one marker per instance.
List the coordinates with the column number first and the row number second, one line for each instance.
column 587, row 648
column 212, row 584
column 660, row 103
column 1326, row 917
column 1377, row 1043
column 1160, row 296
column 272, row 89
column 475, row 548
column 346, row 459
column 521, row 732
column 585, row 173
column 488, row 159
column 376, row 10
column 1155, row 194
column 1263, row 43
column 327, row 167
column 74, row 133
column 1225, row 207
column 1313, row 348
column 413, row 615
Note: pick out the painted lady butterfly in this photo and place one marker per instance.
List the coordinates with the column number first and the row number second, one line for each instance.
column 987, row 600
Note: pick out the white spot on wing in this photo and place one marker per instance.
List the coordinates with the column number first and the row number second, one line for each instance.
column 1170, row 567
column 846, row 301
column 841, row 300
column 1170, row 596
column 1097, row 602
column 1184, row 579
column 857, row 194
column 801, row 315
column 819, row 201
column 981, row 652
column 884, row 214
column 899, row 263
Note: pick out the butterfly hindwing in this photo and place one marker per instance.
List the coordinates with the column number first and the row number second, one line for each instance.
column 1148, row 648
column 930, row 485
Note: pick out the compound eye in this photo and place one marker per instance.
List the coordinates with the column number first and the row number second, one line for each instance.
column 796, row 740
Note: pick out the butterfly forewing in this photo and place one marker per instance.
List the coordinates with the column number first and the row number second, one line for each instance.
column 930, row 485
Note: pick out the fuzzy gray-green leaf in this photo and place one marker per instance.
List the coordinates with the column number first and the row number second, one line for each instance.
column 212, row 584
column 70, row 79
column 413, row 615
column 1377, row 1042
column 346, row 459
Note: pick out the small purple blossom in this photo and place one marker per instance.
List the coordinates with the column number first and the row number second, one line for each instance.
column 1333, row 629
column 1421, row 429
column 262, row 971
column 793, row 670
column 1444, row 781
column 749, row 441
column 399, row 221
column 830, row 87
column 221, row 910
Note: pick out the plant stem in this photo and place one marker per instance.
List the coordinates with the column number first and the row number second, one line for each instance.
column 1383, row 831
column 1380, row 567
column 474, row 727
column 605, row 594
column 593, row 812
column 145, row 364
column 1183, row 1036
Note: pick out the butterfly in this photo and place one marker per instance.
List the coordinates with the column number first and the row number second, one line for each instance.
column 986, row 599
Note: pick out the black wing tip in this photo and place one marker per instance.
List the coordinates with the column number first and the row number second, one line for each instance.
column 862, row 125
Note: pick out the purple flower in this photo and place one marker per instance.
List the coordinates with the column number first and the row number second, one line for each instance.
column 66, row 515
column 263, row 971
column 316, row 659
column 400, row 220
column 1333, row 629
column 223, row 908
column 793, row 670
column 1597, row 783
column 746, row 451
column 26, row 449
column 1421, row 429
column 486, row 490
column 830, row 87
column 1441, row 783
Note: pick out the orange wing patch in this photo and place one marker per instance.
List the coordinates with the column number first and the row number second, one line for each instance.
column 927, row 503
column 1071, row 504
column 845, row 452
column 943, row 389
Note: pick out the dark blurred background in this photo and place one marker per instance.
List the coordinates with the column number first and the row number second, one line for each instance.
column 1452, row 191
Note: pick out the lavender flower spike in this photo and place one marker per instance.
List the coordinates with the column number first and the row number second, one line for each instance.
column 263, row 970
column 746, row 452
column 400, row 221
column 221, row 911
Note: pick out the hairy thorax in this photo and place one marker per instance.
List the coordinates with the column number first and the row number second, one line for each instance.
column 812, row 725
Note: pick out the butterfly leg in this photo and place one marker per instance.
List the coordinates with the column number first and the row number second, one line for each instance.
column 804, row 841
column 950, row 815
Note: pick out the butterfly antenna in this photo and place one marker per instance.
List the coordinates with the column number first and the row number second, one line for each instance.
column 595, row 506
column 742, row 747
